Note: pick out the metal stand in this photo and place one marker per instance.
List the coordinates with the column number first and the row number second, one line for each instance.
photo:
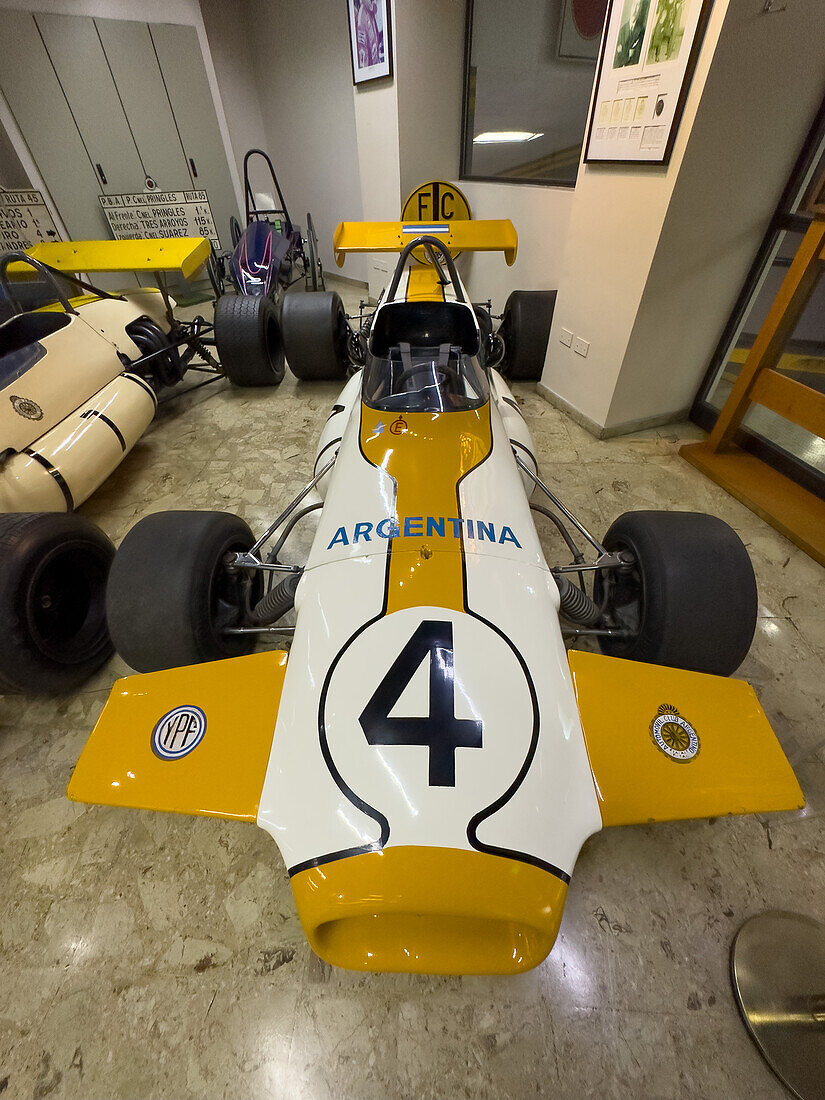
column 777, row 967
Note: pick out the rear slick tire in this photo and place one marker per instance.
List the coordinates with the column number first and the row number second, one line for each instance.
column 316, row 335
column 525, row 329
column 248, row 340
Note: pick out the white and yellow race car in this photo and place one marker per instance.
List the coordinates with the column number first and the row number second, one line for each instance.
column 428, row 755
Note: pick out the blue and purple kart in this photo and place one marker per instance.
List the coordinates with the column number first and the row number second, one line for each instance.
column 269, row 255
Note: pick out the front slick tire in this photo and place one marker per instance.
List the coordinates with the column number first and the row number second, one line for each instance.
column 170, row 596
column 53, row 571
column 248, row 340
column 690, row 597
column 316, row 335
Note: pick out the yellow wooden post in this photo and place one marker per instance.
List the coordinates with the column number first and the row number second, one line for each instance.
column 777, row 328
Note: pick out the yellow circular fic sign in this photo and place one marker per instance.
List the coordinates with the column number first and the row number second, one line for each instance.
column 436, row 202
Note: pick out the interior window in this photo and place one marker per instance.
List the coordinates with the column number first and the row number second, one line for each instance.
column 529, row 70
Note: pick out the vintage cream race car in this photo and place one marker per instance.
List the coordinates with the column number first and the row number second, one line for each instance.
column 428, row 756
column 79, row 385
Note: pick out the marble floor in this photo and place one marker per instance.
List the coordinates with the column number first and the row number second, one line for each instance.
column 149, row 955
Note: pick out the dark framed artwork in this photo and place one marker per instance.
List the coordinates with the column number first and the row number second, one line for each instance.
column 648, row 55
column 370, row 39
column 580, row 29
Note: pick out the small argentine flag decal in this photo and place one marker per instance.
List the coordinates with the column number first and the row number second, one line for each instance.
column 419, row 227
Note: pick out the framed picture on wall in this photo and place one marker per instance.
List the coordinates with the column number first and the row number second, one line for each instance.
column 580, row 29
column 370, row 39
column 649, row 52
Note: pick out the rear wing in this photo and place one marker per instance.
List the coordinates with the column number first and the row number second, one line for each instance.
column 186, row 255
column 458, row 236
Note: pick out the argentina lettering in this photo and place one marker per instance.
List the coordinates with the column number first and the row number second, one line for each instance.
column 442, row 527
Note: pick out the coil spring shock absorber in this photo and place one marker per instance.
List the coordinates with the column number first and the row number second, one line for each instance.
column 575, row 604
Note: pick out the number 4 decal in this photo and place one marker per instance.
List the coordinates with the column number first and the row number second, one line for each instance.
column 440, row 730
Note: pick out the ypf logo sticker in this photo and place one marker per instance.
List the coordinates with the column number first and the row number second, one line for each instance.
column 673, row 734
column 178, row 732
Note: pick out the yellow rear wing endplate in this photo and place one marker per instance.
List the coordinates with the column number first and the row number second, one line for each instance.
column 193, row 740
column 186, row 255
column 458, row 236
column 665, row 744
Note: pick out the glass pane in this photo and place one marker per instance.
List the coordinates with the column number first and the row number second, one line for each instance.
column 532, row 64
column 803, row 358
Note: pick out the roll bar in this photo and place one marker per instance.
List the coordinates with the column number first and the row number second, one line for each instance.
column 249, row 196
column 431, row 245
column 22, row 258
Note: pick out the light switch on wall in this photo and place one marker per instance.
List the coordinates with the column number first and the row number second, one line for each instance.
column 581, row 347
column 566, row 337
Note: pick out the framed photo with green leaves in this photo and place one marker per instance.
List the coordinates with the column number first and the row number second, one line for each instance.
column 648, row 55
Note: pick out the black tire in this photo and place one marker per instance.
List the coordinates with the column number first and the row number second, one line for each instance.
column 53, row 633
column 248, row 340
column 165, row 368
column 169, row 595
column 235, row 231
column 316, row 335
column 691, row 594
column 525, row 329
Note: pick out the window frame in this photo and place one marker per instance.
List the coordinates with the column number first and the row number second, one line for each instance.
column 465, row 157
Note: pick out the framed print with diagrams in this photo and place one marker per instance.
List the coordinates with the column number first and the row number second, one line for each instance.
column 649, row 52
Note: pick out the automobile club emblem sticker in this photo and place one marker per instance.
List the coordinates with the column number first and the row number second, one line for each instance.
column 178, row 732
column 24, row 406
column 673, row 734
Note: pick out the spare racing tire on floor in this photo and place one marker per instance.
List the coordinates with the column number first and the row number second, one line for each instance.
column 248, row 340
column 316, row 335
column 690, row 598
column 170, row 596
column 53, row 633
column 525, row 329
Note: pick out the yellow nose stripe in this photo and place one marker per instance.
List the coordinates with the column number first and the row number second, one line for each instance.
column 427, row 454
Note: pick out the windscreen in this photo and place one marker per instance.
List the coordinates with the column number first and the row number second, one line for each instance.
column 428, row 379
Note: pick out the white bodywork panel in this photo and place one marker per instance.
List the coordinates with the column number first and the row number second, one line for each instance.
column 69, row 419
column 527, row 790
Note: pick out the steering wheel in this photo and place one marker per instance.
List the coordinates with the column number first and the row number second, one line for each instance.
column 448, row 373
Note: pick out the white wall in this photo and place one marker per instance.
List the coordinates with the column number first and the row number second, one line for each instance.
column 375, row 104
column 429, row 75
column 734, row 169
column 541, row 216
column 302, row 71
column 655, row 257
column 230, row 48
column 430, row 55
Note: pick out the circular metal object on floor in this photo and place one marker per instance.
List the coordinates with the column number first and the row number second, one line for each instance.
column 777, row 967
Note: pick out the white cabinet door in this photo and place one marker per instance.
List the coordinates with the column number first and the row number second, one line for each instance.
column 131, row 55
column 36, row 99
column 77, row 54
column 181, row 62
